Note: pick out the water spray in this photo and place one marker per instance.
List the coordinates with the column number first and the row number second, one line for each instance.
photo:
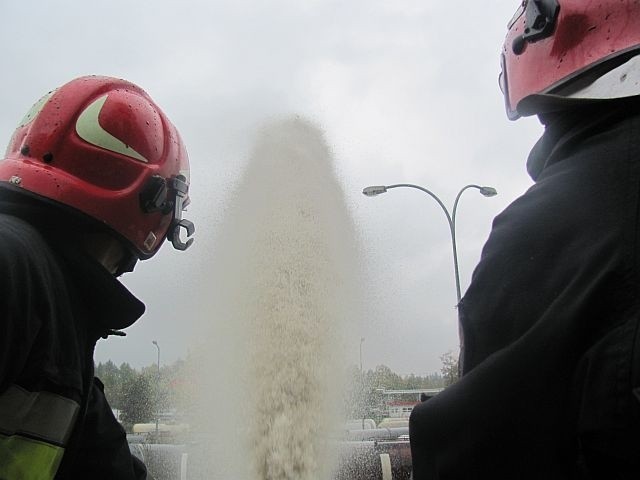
column 283, row 291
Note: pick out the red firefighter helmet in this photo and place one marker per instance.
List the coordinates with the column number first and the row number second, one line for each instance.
column 101, row 146
column 554, row 48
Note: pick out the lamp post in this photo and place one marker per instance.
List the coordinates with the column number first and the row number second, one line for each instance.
column 364, row 413
column 451, row 218
column 157, row 390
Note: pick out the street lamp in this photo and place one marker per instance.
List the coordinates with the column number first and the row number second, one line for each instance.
column 374, row 190
column 364, row 413
column 157, row 390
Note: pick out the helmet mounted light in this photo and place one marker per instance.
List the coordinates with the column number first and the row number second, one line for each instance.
column 554, row 48
column 160, row 195
column 540, row 20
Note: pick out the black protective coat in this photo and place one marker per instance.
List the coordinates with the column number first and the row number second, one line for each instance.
column 54, row 305
column 550, row 321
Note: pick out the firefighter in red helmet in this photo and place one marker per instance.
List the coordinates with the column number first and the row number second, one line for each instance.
column 95, row 177
column 550, row 385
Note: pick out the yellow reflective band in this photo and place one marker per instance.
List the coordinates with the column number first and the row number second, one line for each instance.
column 42, row 415
column 89, row 129
column 26, row 459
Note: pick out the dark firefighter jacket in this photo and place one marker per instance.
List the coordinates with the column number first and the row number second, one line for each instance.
column 54, row 305
column 551, row 367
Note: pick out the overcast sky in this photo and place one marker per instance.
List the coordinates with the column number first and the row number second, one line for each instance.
column 405, row 90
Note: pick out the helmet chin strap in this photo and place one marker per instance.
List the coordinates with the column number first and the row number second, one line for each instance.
column 179, row 189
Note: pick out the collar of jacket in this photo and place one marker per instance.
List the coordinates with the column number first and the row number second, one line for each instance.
column 109, row 304
column 566, row 129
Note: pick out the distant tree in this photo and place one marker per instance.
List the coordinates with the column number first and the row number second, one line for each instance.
column 414, row 382
column 384, row 377
column 115, row 379
column 355, row 393
column 181, row 383
column 138, row 400
column 109, row 374
column 173, row 391
column 364, row 397
column 449, row 368
column 127, row 373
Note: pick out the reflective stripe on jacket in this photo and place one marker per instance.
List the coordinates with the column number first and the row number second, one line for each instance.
column 34, row 431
